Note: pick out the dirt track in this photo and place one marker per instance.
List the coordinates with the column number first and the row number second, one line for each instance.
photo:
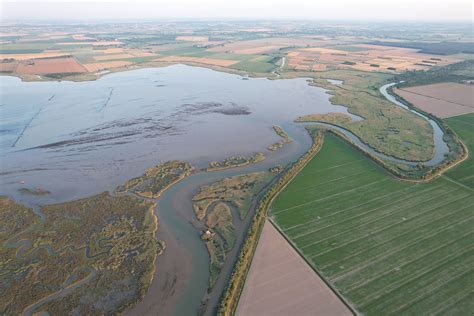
column 280, row 282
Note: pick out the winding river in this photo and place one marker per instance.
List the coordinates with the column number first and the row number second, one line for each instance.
column 441, row 147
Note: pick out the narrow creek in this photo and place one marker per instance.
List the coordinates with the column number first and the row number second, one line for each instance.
column 181, row 278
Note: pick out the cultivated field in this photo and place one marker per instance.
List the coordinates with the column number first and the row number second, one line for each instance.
column 33, row 56
column 260, row 46
column 193, row 38
column 365, row 58
column 50, row 66
column 113, row 56
column 441, row 99
column 280, row 282
column 464, row 173
column 93, row 67
column 390, row 247
column 252, row 50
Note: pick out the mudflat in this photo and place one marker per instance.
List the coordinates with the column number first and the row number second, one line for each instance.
column 280, row 282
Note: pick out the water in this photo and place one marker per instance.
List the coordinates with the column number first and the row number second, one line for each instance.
column 78, row 138
column 441, row 148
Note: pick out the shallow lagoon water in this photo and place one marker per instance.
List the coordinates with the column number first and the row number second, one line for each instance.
column 76, row 139
column 79, row 138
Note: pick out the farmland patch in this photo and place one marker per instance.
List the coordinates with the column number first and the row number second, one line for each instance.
column 388, row 246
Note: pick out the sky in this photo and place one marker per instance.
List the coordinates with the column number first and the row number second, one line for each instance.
column 363, row 10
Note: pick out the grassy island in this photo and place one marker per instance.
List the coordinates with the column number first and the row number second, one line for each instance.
column 235, row 161
column 285, row 138
column 213, row 205
column 157, row 179
column 237, row 191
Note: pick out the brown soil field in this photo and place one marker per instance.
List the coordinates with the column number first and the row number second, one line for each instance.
column 443, row 100
column 280, row 282
column 199, row 60
column 193, row 38
column 141, row 54
column 32, row 56
column 50, row 66
column 8, row 67
column 462, row 94
column 264, row 45
column 114, row 50
column 386, row 59
column 93, row 67
column 113, row 56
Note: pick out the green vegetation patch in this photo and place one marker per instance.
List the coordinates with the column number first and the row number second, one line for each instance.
column 285, row 138
column 157, row 179
column 235, row 161
column 36, row 191
column 254, row 66
column 464, row 127
column 457, row 72
column 26, row 48
column 190, row 51
column 90, row 256
column 238, row 191
column 349, row 48
column 390, row 247
column 437, row 48
column 232, row 56
column 220, row 238
column 386, row 127
column 214, row 204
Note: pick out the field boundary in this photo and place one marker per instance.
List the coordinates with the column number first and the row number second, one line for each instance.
column 388, row 172
column 442, row 168
column 318, row 273
column 427, row 176
column 231, row 296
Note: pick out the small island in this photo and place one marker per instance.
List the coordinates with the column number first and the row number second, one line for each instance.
column 235, row 161
column 157, row 179
column 285, row 138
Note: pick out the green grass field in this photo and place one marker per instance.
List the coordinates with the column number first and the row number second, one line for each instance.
column 464, row 127
column 389, row 247
column 254, row 66
column 25, row 48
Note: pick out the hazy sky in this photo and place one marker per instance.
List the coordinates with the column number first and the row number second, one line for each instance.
column 414, row 10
